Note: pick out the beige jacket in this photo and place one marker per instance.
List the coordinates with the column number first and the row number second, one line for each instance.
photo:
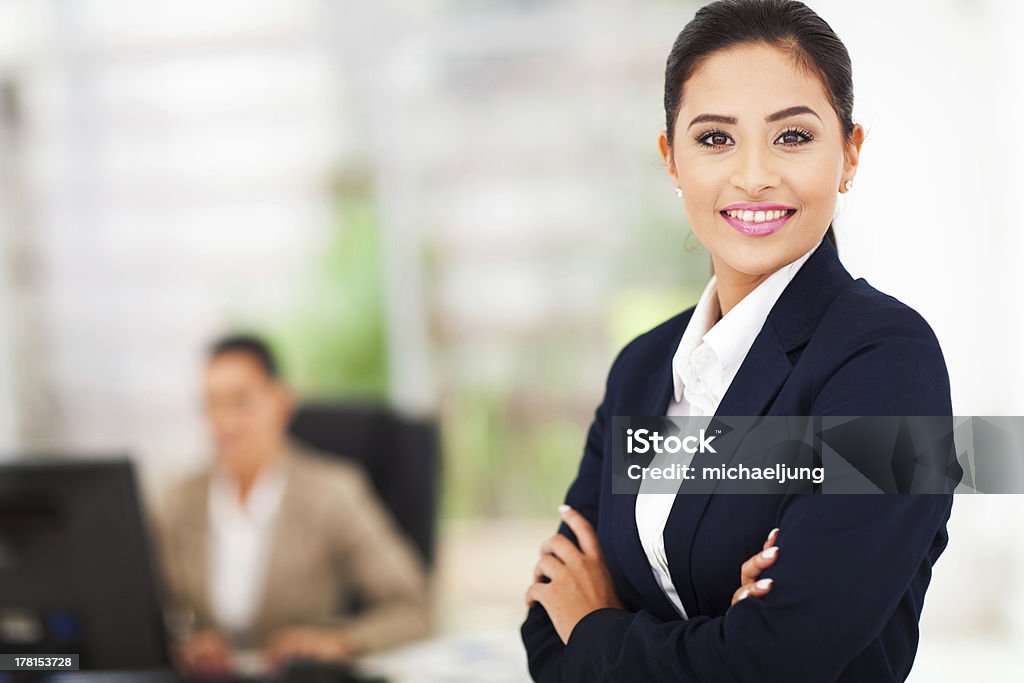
column 332, row 536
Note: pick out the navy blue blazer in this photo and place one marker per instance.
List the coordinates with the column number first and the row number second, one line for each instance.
column 852, row 570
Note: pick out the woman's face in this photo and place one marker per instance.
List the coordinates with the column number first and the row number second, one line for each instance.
column 759, row 154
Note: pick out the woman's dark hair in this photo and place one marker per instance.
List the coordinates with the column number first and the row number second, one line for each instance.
column 789, row 25
column 250, row 344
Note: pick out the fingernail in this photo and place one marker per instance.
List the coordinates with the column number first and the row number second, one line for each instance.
column 563, row 508
column 764, row 583
column 770, row 552
column 773, row 534
column 743, row 594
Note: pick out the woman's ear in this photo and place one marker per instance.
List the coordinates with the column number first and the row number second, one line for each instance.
column 287, row 403
column 852, row 152
column 666, row 155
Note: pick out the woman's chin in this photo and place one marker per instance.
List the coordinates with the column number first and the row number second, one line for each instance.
column 753, row 260
column 748, row 255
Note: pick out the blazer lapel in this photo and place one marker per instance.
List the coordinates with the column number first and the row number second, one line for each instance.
column 762, row 374
column 652, row 399
column 194, row 560
column 274, row 601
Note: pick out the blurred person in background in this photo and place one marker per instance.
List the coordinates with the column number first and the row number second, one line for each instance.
column 264, row 548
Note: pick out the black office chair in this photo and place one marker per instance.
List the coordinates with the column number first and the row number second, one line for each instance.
column 401, row 455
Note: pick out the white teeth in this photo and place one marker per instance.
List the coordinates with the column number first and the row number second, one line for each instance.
column 757, row 216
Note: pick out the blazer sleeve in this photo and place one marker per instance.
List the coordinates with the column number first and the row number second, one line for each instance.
column 544, row 649
column 845, row 561
column 385, row 569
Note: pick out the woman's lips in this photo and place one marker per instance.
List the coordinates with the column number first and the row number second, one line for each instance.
column 745, row 220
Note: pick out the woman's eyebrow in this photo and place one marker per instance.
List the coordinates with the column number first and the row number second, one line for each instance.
column 771, row 118
column 790, row 111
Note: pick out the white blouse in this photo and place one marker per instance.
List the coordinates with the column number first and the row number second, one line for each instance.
column 708, row 357
column 239, row 544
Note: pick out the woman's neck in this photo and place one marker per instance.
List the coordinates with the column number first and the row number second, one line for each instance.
column 733, row 286
column 246, row 478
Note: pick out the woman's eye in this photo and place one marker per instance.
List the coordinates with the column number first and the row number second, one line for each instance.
column 714, row 138
column 794, row 137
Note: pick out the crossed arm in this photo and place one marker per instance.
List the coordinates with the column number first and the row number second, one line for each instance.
column 847, row 564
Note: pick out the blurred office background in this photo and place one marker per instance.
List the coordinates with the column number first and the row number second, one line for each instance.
column 457, row 208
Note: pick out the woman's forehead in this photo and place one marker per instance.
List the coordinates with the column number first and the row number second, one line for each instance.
column 752, row 79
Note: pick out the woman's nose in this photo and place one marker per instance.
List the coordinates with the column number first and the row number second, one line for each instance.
column 753, row 173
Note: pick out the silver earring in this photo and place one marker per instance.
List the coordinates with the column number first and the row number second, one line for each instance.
column 848, row 185
column 679, row 192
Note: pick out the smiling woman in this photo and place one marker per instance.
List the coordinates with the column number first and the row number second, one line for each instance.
column 759, row 142
column 747, row 139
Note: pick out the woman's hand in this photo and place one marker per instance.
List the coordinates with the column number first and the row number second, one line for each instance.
column 579, row 579
column 306, row 642
column 752, row 568
column 205, row 654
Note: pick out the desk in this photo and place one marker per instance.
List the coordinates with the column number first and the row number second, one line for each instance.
column 483, row 657
column 494, row 656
